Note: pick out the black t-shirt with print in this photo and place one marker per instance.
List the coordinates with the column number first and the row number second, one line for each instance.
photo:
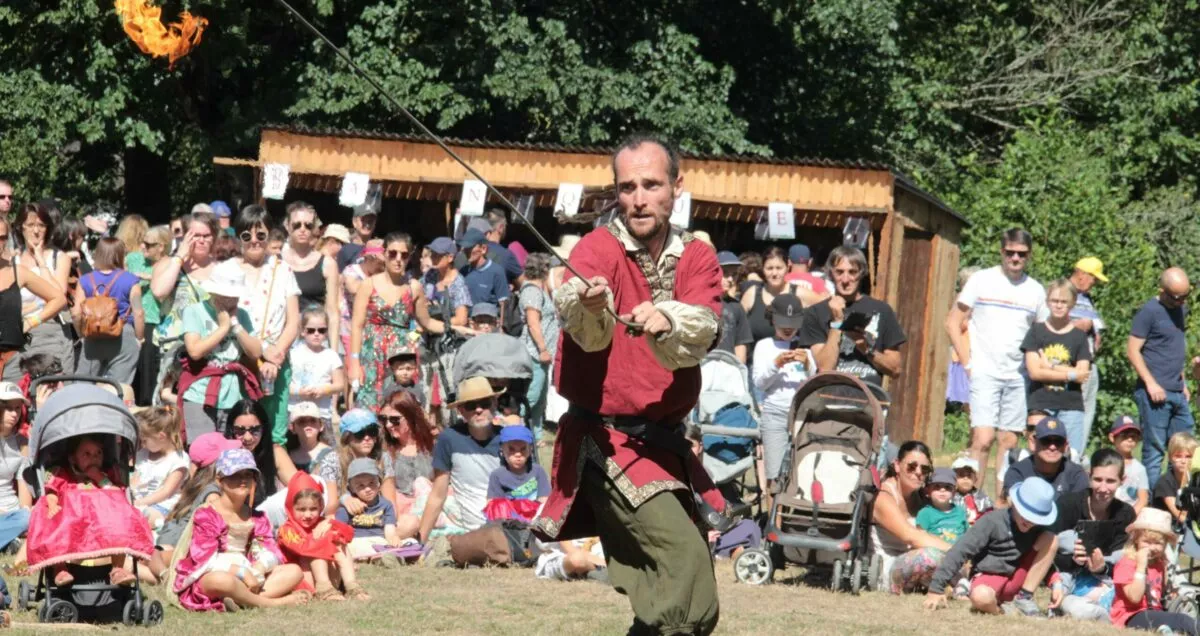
column 882, row 326
column 1058, row 350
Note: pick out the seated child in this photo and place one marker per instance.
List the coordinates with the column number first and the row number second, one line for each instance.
column 518, row 487
column 1011, row 553
column 1135, row 488
column 403, row 360
column 85, row 471
column 966, row 491
column 161, row 466
column 299, row 541
column 940, row 517
column 1140, row 578
column 1180, row 449
column 375, row 527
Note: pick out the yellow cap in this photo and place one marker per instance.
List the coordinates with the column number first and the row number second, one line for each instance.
column 1092, row 265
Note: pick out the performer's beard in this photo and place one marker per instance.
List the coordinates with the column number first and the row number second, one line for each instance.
column 645, row 235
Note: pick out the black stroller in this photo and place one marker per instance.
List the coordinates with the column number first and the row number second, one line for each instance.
column 78, row 409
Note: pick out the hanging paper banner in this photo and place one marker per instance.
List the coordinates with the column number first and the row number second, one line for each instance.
column 681, row 214
column 275, row 180
column 354, row 189
column 569, row 197
column 781, row 221
column 474, row 198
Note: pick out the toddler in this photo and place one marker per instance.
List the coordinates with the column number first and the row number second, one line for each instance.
column 403, row 360
column 1140, row 578
column 84, row 470
column 1135, row 488
column 314, row 542
column 375, row 526
column 940, row 517
column 966, row 491
column 161, row 466
column 518, row 487
column 1011, row 553
column 317, row 373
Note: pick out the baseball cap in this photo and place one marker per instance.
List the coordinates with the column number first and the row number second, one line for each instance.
column 799, row 252
column 728, row 258
column 234, row 461
column 788, row 312
column 10, row 391
column 943, row 476
column 355, row 420
column 442, row 245
column 479, row 310
column 479, row 223
column 1092, row 265
column 1050, row 427
column 208, row 447
column 471, row 238
column 965, row 462
column 221, row 209
column 516, row 433
column 1121, row 424
column 362, row 466
column 362, row 209
column 303, row 409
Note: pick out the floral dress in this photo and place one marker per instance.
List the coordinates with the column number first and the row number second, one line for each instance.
column 385, row 327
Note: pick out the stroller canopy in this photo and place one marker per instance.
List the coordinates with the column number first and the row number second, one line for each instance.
column 724, row 381
column 837, row 396
column 80, row 409
column 492, row 355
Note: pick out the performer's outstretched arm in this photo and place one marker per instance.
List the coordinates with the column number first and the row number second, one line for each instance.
column 693, row 331
column 592, row 331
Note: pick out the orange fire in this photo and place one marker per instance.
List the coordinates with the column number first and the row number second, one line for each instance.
column 143, row 24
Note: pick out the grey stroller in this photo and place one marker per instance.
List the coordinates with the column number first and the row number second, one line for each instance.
column 728, row 415
column 94, row 531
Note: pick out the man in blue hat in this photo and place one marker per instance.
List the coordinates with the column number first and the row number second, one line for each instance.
column 1048, row 461
column 485, row 280
column 736, row 337
column 1011, row 552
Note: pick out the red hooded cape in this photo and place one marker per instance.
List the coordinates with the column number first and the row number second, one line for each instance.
column 297, row 541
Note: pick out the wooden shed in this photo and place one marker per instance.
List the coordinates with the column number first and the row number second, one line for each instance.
column 913, row 252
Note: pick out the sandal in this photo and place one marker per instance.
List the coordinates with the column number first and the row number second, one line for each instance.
column 302, row 596
column 330, row 594
column 356, row 593
column 19, row 570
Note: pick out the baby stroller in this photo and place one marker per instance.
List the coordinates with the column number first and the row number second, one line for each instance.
column 75, row 410
column 727, row 414
column 820, row 516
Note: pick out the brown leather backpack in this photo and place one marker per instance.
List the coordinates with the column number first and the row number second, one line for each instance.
column 98, row 313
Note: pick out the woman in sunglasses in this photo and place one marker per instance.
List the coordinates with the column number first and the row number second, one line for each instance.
column 35, row 225
column 909, row 555
column 247, row 424
column 383, row 311
column 178, row 282
column 153, row 247
column 408, row 437
column 316, row 275
column 273, row 304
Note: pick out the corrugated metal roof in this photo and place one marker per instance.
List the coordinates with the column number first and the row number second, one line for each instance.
column 901, row 179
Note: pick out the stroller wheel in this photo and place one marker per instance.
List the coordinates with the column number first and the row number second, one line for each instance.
column 58, row 611
column 25, row 594
column 835, row 581
column 856, row 577
column 129, row 615
column 873, row 571
column 753, row 566
column 152, row 614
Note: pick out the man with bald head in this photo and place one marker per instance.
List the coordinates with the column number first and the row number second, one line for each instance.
column 1157, row 350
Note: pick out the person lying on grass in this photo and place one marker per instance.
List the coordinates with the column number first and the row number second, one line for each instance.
column 1012, row 553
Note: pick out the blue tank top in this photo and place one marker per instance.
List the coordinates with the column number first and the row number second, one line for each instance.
column 121, row 283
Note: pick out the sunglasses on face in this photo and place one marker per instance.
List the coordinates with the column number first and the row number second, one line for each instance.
column 4, row 237
column 1017, row 253
column 147, row 245
column 256, row 236
column 5, row 197
column 1053, row 442
column 370, row 431
column 392, row 420
column 915, row 466
column 307, row 225
column 255, row 431
column 1179, row 298
column 476, row 405
column 396, row 255
column 311, row 330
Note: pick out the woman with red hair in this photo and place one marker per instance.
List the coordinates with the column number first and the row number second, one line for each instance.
column 408, row 449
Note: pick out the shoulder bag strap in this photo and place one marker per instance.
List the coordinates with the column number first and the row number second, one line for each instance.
column 270, row 288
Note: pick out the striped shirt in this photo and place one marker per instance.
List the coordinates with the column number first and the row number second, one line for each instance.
column 1002, row 312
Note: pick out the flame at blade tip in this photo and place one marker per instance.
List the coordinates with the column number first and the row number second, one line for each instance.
column 143, row 24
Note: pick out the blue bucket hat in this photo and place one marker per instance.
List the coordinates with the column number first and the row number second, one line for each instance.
column 234, row 461
column 355, row 420
column 1034, row 499
column 516, row 433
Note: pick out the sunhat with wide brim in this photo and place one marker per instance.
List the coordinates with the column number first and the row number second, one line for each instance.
column 476, row 388
column 1155, row 520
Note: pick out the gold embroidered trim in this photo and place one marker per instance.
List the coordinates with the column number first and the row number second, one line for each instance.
column 660, row 277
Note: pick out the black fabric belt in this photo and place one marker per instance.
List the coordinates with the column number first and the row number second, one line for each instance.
column 662, row 435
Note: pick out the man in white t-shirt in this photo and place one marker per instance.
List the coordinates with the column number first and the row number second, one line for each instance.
column 998, row 305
